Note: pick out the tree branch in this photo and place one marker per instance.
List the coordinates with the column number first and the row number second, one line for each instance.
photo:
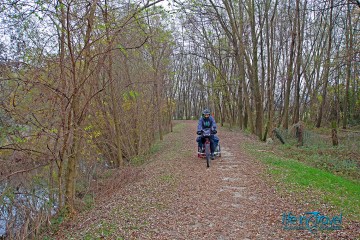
column 23, row 171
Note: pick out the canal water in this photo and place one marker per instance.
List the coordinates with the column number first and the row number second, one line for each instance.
column 18, row 204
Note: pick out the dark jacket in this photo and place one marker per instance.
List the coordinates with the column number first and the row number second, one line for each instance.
column 203, row 124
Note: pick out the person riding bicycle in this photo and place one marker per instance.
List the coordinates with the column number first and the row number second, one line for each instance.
column 205, row 122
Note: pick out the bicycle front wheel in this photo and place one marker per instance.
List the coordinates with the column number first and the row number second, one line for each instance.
column 207, row 153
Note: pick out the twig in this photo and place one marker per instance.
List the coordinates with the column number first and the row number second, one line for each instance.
column 22, row 171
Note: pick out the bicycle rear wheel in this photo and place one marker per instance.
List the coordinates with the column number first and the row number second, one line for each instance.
column 219, row 150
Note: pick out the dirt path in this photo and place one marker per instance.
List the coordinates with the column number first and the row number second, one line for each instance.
column 175, row 196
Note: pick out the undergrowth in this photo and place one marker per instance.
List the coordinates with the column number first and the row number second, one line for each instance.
column 342, row 160
column 316, row 175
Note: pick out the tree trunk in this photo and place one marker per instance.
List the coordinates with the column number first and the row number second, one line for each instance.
column 289, row 78
column 119, row 161
column 71, row 173
column 254, row 74
column 63, row 128
column 270, row 67
column 334, row 137
column 300, row 33
column 326, row 68
column 349, row 47
column 79, row 77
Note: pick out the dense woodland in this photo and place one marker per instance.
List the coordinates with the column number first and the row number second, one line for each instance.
column 91, row 84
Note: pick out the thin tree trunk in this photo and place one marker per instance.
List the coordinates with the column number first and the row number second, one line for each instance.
column 78, row 78
column 300, row 33
column 73, row 157
column 64, row 126
column 119, row 161
column 326, row 68
column 270, row 66
column 290, row 74
column 349, row 47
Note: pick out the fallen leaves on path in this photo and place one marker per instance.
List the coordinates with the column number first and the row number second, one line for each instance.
column 174, row 196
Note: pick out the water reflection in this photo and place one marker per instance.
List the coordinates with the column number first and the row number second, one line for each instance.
column 21, row 207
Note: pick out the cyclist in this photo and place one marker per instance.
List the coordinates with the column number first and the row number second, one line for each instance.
column 207, row 121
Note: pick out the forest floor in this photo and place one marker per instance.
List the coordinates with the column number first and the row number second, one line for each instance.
column 173, row 195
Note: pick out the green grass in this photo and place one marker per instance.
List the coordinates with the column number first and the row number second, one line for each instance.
column 178, row 127
column 342, row 160
column 168, row 178
column 102, row 231
column 157, row 147
column 137, row 160
column 312, row 185
column 337, row 160
column 89, row 201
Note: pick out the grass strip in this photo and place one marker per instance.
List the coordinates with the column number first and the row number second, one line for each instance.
column 292, row 176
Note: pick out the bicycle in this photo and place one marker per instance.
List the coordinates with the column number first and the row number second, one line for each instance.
column 205, row 151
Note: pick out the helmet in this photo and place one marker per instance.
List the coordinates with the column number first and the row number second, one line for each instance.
column 206, row 113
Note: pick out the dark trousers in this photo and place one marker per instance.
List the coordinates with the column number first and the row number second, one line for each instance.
column 201, row 141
